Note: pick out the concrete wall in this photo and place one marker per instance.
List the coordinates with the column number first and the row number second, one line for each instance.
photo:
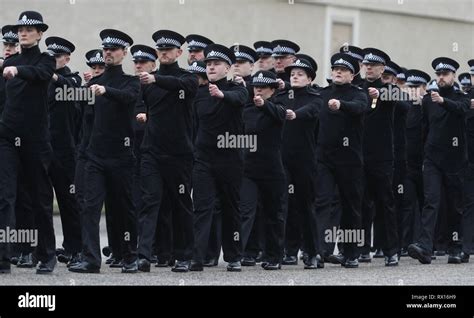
column 411, row 40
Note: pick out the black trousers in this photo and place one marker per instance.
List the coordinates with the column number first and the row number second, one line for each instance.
column 349, row 181
column 166, row 178
column 210, row 181
column 256, row 240
column 378, row 178
column 399, row 193
column 300, row 215
column 114, row 177
column 442, row 235
column 412, row 206
column 272, row 194
column 215, row 236
column 24, row 216
column 163, row 245
column 113, row 235
column 435, row 180
column 334, row 221
column 468, row 215
column 61, row 172
column 33, row 159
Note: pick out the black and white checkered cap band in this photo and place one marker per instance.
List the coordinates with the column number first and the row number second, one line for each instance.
column 472, row 69
column 219, row 55
column 260, row 79
column 246, row 56
column 444, row 66
column 401, row 76
column 416, row 79
column 372, row 58
column 25, row 21
column 466, row 81
column 167, row 41
column 283, row 50
column 193, row 44
column 342, row 62
column 116, row 41
column 194, row 68
column 264, row 50
column 355, row 55
column 298, row 63
column 10, row 35
column 56, row 47
column 388, row 69
column 140, row 54
column 98, row 59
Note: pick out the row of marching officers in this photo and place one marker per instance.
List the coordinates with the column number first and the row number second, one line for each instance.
column 187, row 161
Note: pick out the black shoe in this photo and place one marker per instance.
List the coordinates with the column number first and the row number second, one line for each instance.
column 248, row 261
column 464, row 257
column 351, row 263
column 171, row 262
column 365, row 258
column 337, row 259
column 143, row 265
column 162, row 263
column 46, row 267
column 130, row 267
column 5, row 267
column 210, row 262
column 304, row 257
column 454, row 258
column 195, row 267
column 378, row 253
column 290, row 260
column 106, row 251
column 181, row 267
column 440, row 253
column 314, row 262
column 75, row 259
column 64, row 257
column 403, row 252
column 259, row 257
column 110, row 260
column 117, row 263
column 154, row 259
column 59, row 251
column 25, row 261
column 271, row 266
column 417, row 252
column 234, row 267
column 433, row 256
column 391, row 260
column 84, row 267
column 14, row 260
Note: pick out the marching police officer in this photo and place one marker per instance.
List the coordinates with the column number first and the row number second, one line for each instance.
column 22, row 252
column 339, row 154
column 468, row 215
column 390, row 76
column 62, row 122
column 196, row 45
column 358, row 54
column 242, row 69
column 167, row 151
column 264, row 176
column 444, row 112
column 299, row 159
column 109, row 168
column 10, row 47
column 378, row 158
column 24, row 142
column 218, row 162
column 283, row 53
column 416, row 81
column 264, row 50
